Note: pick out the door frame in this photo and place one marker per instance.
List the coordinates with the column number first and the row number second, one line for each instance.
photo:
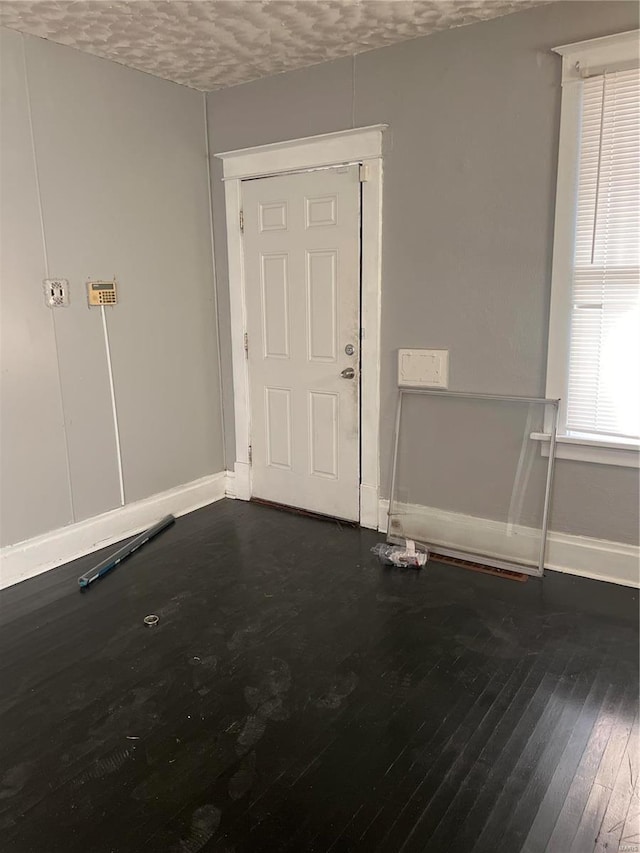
column 356, row 145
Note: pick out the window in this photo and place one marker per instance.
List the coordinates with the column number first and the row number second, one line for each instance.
column 594, row 335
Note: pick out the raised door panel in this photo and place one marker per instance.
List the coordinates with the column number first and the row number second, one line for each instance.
column 323, row 434
column 273, row 216
column 321, row 211
column 278, row 427
column 275, row 306
column 321, row 305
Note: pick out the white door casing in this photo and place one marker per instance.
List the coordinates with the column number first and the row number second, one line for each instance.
column 354, row 145
column 302, row 288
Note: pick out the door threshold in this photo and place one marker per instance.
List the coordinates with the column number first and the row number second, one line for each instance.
column 296, row 510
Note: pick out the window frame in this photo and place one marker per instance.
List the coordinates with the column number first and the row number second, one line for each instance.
column 585, row 58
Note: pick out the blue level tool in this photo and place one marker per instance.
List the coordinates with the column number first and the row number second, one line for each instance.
column 126, row 550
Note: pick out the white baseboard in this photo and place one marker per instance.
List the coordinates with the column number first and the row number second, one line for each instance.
column 600, row 559
column 615, row 562
column 230, row 485
column 34, row 556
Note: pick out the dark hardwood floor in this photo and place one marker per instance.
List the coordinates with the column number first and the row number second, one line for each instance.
column 297, row 696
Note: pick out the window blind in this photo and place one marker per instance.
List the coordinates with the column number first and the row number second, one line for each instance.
column 604, row 359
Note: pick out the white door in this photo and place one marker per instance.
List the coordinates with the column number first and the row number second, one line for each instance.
column 302, row 274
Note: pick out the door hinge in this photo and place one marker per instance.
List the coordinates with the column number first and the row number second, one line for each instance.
column 364, row 172
column 246, row 345
column 250, row 455
column 242, row 221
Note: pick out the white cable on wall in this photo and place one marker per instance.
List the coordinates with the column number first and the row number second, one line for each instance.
column 45, row 257
column 215, row 278
column 114, row 410
column 353, row 90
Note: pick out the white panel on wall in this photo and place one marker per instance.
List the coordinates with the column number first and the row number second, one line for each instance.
column 423, row 368
column 275, row 306
column 321, row 211
column 321, row 305
column 278, row 427
column 323, row 434
column 273, row 216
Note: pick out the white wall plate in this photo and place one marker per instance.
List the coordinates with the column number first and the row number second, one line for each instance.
column 423, row 368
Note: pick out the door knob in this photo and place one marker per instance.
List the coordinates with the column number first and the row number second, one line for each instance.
column 348, row 373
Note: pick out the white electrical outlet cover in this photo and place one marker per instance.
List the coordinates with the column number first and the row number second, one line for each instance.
column 56, row 292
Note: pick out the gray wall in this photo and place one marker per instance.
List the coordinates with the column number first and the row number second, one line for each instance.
column 121, row 167
column 469, row 191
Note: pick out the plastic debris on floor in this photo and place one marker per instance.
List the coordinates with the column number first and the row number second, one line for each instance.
column 402, row 556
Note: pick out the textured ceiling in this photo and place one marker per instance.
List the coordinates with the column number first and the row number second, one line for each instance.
column 208, row 44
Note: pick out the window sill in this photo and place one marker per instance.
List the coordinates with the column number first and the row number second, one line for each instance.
column 626, row 455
